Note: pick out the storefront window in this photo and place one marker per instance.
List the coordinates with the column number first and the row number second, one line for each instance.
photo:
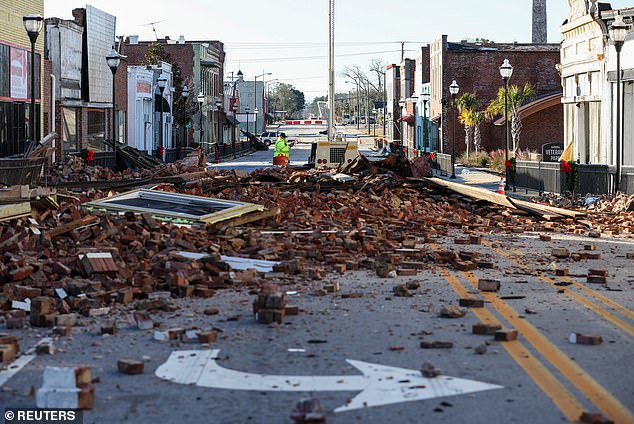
column 69, row 143
column 96, row 131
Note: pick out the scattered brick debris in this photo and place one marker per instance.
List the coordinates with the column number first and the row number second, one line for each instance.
column 452, row 311
column 436, row 344
column 485, row 329
column 130, row 366
column 505, row 335
column 594, row 418
column 307, row 411
column 429, row 371
column 584, row 339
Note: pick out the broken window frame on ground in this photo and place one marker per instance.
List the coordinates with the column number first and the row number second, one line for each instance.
column 232, row 209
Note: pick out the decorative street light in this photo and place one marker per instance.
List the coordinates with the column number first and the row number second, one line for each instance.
column 219, row 108
column 201, row 100
column 506, row 70
column 114, row 60
column 185, row 94
column 33, row 26
column 453, row 90
column 218, row 142
column 162, row 82
column 414, row 99
column 425, row 97
column 247, row 109
column 618, row 32
column 234, row 109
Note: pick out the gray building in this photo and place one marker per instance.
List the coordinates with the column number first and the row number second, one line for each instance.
column 83, row 82
column 251, row 95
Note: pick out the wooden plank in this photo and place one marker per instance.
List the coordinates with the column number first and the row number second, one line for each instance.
column 81, row 222
column 479, row 193
column 15, row 210
column 250, row 217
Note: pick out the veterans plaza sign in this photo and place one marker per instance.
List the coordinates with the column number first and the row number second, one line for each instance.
column 378, row 384
column 551, row 152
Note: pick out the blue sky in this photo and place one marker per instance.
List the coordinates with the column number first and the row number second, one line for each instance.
column 289, row 37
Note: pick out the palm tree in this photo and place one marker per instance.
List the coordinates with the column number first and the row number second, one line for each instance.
column 478, row 118
column 517, row 96
column 467, row 106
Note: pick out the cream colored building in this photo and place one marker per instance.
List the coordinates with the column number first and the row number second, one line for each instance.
column 588, row 76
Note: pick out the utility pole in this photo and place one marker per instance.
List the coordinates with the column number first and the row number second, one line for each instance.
column 402, row 50
column 331, row 70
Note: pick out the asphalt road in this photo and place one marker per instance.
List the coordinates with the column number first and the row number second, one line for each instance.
column 304, row 136
column 543, row 378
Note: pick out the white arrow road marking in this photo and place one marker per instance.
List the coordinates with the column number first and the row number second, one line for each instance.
column 14, row 367
column 379, row 384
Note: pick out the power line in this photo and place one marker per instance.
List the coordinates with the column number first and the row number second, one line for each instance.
column 296, row 58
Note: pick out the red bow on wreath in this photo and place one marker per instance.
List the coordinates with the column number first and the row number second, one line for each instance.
column 508, row 164
column 566, row 167
column 432, row 156
column 90, row 156
column 161, row 150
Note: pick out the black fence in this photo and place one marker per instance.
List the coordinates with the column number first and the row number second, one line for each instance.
column 230, row 150
column 591, row 179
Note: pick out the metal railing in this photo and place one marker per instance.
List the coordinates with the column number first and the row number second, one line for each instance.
column 591, row 179
column 444, row 163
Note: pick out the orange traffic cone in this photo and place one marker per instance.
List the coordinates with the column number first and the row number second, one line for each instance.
column 501, row 186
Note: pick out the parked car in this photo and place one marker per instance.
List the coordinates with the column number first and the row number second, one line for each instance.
column 269, row 138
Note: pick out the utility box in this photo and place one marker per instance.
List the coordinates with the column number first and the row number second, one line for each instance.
column 326, row 154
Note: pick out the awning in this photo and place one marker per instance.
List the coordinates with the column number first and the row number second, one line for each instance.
column 410, row 118
column 157, row 104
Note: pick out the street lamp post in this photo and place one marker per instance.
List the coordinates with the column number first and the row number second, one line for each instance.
column 161, row 81
column 453, row 90
column 384, row 101
column 506, row 70
column 218, row 142
column 234, row 109
column 201, row 100
column 425, row 143
column 414, row 99
column 114, row 60
column 618, row 32
column 185, row 94
column 247, row 109
column 33, row 26
column 374, row 125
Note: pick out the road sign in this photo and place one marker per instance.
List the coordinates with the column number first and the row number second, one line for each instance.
column 379, row 384
column 551, row 152
column 378, row 105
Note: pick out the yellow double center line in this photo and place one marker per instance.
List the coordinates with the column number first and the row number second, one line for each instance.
column 545, row 380
column 623, row 325
column 587, row 385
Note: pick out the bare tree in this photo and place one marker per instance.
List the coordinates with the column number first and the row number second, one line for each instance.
column 377, row 66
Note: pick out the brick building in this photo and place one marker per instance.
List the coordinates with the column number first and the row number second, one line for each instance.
column 475, row 67
column 202, row 67
column 82, row 90
column 15, row 75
